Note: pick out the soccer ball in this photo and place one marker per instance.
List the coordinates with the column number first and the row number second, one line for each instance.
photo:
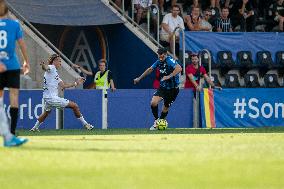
column 162, row 124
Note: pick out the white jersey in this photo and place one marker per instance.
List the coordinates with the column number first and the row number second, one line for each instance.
column 50, row 82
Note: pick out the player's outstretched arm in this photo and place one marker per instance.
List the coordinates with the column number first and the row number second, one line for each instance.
column 82, row 69
column 78, row 81
column 146, row 72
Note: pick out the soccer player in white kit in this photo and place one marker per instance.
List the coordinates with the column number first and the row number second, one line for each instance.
column 50, row 92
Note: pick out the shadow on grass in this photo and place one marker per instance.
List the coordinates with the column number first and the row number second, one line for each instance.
column 63, row 149
column 146, row 131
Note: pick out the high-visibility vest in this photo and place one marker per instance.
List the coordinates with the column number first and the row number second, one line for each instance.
column 102, row 82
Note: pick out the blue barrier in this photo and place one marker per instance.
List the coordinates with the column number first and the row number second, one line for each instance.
column 126, row 109
column 90, row 103
column 242, row 108
column 131, row 109
column 30, row 108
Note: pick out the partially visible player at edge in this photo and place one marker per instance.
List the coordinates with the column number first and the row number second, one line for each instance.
column 10, row 33
column 169, row 84
column 50, row 92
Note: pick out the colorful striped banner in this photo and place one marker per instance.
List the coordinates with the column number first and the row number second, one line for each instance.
column 209, row 108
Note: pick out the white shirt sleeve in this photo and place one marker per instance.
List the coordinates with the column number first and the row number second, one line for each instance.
column 166, row 19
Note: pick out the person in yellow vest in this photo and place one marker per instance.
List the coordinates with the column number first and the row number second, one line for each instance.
column 103, row 78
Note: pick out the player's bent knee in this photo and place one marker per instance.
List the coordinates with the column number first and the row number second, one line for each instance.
column 153, row 103
column 75, row 106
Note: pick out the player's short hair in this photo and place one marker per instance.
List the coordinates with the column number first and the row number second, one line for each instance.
column 3, row 8
column 52, row 58
column 162, row 51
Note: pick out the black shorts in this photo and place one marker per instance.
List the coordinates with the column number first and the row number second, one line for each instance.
column 10, row 79
column 169, row 95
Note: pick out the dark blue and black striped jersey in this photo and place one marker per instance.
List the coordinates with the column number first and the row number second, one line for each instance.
column 166, row 68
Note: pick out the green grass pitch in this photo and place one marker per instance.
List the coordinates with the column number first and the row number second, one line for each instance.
column 138, row 158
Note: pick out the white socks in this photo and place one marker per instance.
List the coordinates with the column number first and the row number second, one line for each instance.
column 83, row 121
column 37, row 124
column 4, row 126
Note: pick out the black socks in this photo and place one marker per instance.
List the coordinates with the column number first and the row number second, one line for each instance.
column 155, row 111
column 163, row 115
column 14, row 119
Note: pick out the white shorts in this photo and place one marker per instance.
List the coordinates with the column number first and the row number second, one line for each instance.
column 55, row 102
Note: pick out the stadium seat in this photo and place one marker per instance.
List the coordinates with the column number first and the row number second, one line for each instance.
column 271, row 81
column 205, row 60
column 225, row 58
column 264, row 59
column 186, row 56
column 232, row 81
column 226, row 62
column 244, row 59
column 215, row 79
column 251, row 81
column 280, row 58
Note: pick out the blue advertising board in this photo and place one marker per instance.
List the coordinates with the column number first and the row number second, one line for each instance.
column 130, row 108
column 127, row 108
column 90, row 104
column 242, row 108
column 30, row 108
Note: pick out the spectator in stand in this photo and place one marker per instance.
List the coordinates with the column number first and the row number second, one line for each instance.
column 219, row 3
column 193, row 21
column 215, row 12
column 278, row 13
column 141, row 7
column 127, row 4
column 118, row 3
column 205, row 24
column 160, row 4
column 222, row 3
column 244, row 15
column 103, row 78
column 169, row 23
column 194, row 3
column 224, row 23
column 186, row 4
column 194, row 72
